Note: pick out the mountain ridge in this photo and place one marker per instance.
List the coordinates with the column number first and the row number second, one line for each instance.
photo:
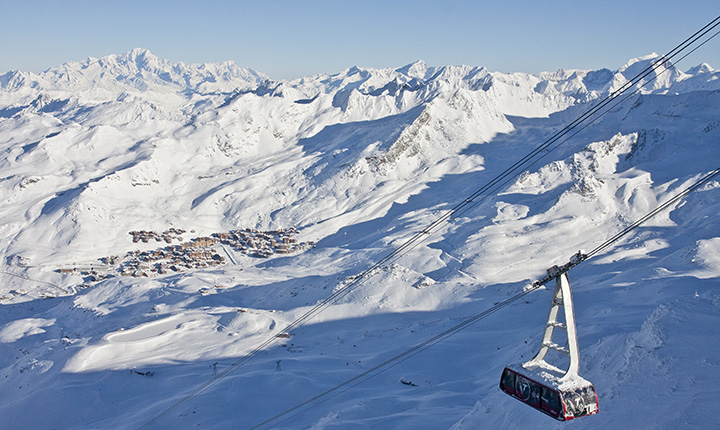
column 139, row 65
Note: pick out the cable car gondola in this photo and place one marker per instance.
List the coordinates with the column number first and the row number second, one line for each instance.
column 563, row 395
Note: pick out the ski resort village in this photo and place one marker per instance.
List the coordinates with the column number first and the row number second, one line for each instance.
column 197, row 253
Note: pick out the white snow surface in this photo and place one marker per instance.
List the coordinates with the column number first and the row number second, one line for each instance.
column 358, row 162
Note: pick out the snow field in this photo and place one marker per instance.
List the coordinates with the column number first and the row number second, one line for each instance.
column 358, row 161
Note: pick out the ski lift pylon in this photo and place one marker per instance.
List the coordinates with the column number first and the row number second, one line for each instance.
column 563, row 395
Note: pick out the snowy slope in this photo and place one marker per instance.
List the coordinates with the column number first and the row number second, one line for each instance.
column 357, row 162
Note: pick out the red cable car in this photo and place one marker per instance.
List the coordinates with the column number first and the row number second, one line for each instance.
column 563, row 395
column 561, row 401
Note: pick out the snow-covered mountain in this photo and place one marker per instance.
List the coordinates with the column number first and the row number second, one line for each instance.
column 165, row 219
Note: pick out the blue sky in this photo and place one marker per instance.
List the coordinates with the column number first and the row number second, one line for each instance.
column 288, row 39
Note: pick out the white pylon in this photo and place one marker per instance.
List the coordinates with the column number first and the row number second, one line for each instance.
column 562, row 298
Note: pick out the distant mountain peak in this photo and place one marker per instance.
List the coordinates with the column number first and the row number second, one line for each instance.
column 143, row 58
column 139, row 52
column 137, row 69
column 418, row 69
column 642, row 61
column 700, row 68
column 135, row 60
